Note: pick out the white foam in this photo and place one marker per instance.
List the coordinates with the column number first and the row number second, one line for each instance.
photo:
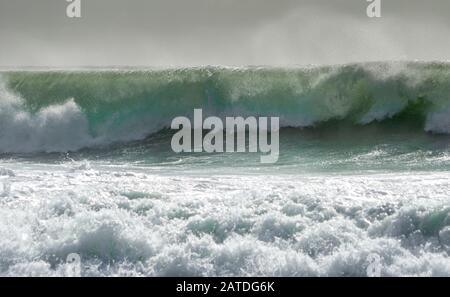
column 56, row 128
column 240, row 226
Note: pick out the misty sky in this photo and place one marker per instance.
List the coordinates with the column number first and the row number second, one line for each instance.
column 220, row 32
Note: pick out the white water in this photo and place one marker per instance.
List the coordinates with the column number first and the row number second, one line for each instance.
column 135, row 221
column 55, row 128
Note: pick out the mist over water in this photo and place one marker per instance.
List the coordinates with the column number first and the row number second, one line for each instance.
column 175, row 33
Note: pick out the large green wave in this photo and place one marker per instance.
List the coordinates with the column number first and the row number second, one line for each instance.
column 121, row 105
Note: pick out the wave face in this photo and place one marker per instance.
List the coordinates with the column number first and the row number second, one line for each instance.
column 59, row 111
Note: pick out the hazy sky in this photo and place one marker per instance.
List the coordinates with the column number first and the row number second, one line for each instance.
column 221, row 32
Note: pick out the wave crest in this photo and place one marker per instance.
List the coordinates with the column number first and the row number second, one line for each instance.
column 62, row 111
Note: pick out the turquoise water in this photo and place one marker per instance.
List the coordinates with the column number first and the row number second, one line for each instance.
column 303, row 151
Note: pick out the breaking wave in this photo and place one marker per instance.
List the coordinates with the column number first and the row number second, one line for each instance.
column 58, row 111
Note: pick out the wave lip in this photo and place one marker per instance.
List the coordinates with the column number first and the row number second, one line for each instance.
column 59, row 111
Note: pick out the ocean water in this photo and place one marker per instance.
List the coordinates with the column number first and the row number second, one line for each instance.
column 86, row 167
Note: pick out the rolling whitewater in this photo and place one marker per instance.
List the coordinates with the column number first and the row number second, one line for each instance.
column 86, row 167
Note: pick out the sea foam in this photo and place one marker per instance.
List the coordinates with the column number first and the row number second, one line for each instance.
column 337, row 222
